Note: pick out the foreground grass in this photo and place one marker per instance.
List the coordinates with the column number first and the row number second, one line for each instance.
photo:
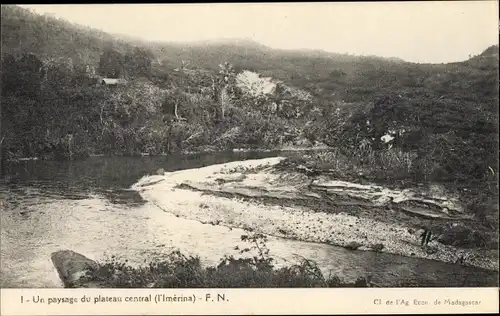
column 180, row 271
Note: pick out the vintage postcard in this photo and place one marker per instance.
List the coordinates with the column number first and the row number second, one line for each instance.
column 249, row 158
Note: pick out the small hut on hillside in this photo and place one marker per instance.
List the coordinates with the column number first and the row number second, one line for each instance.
column 113, row 81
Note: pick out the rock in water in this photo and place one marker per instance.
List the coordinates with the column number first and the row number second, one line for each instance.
column 71, row 266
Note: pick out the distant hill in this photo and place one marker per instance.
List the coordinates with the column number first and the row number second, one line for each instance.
column 490, row 51
column 315, row 70
column 47, row 36
column 50, row 35
column 327, row 75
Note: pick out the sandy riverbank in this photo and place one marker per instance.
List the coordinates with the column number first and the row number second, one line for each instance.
column 238, row 194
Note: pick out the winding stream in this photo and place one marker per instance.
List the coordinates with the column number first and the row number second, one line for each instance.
column 87, row 207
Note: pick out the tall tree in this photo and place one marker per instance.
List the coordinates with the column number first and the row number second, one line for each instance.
column 225, row 86
column 137, row 62
column 10, row 79
column 30, row 74
column 143, row 58
column 111, row 63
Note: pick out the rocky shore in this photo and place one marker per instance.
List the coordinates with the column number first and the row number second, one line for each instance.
column 255, row 196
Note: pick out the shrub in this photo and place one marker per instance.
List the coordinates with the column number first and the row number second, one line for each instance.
column 353, row 245
column 463, row 236
column 377, row 247
column 179, row 271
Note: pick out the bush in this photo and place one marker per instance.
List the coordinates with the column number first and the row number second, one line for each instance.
column 378, row 247
column 179, row 271
column 463, row 236
column 353, row 245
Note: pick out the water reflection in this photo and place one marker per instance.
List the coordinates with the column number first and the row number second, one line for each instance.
column 106, row 176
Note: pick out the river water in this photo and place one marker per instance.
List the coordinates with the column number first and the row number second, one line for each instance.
column 86, row 206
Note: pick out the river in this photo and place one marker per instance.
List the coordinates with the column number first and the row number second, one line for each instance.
column 86, row 206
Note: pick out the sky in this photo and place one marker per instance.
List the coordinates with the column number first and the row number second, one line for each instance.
column 428, row 32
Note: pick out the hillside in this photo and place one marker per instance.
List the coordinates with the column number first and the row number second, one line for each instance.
column 49, row 37
column 190, row 97
column 26, row 32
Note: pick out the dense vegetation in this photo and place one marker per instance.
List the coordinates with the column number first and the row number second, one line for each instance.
column 442, row 117
column 52, row 106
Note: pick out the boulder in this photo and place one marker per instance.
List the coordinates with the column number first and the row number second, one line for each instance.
column 72, row 266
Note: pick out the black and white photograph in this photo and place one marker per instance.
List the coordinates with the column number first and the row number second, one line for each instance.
column 249, row 145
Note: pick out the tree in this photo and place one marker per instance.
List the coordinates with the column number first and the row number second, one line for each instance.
column 138, row 62
column 30, row 74
column 111, row 63
column 143, row 58
column 10, row 79
column 58, row 73
column 225, row 86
